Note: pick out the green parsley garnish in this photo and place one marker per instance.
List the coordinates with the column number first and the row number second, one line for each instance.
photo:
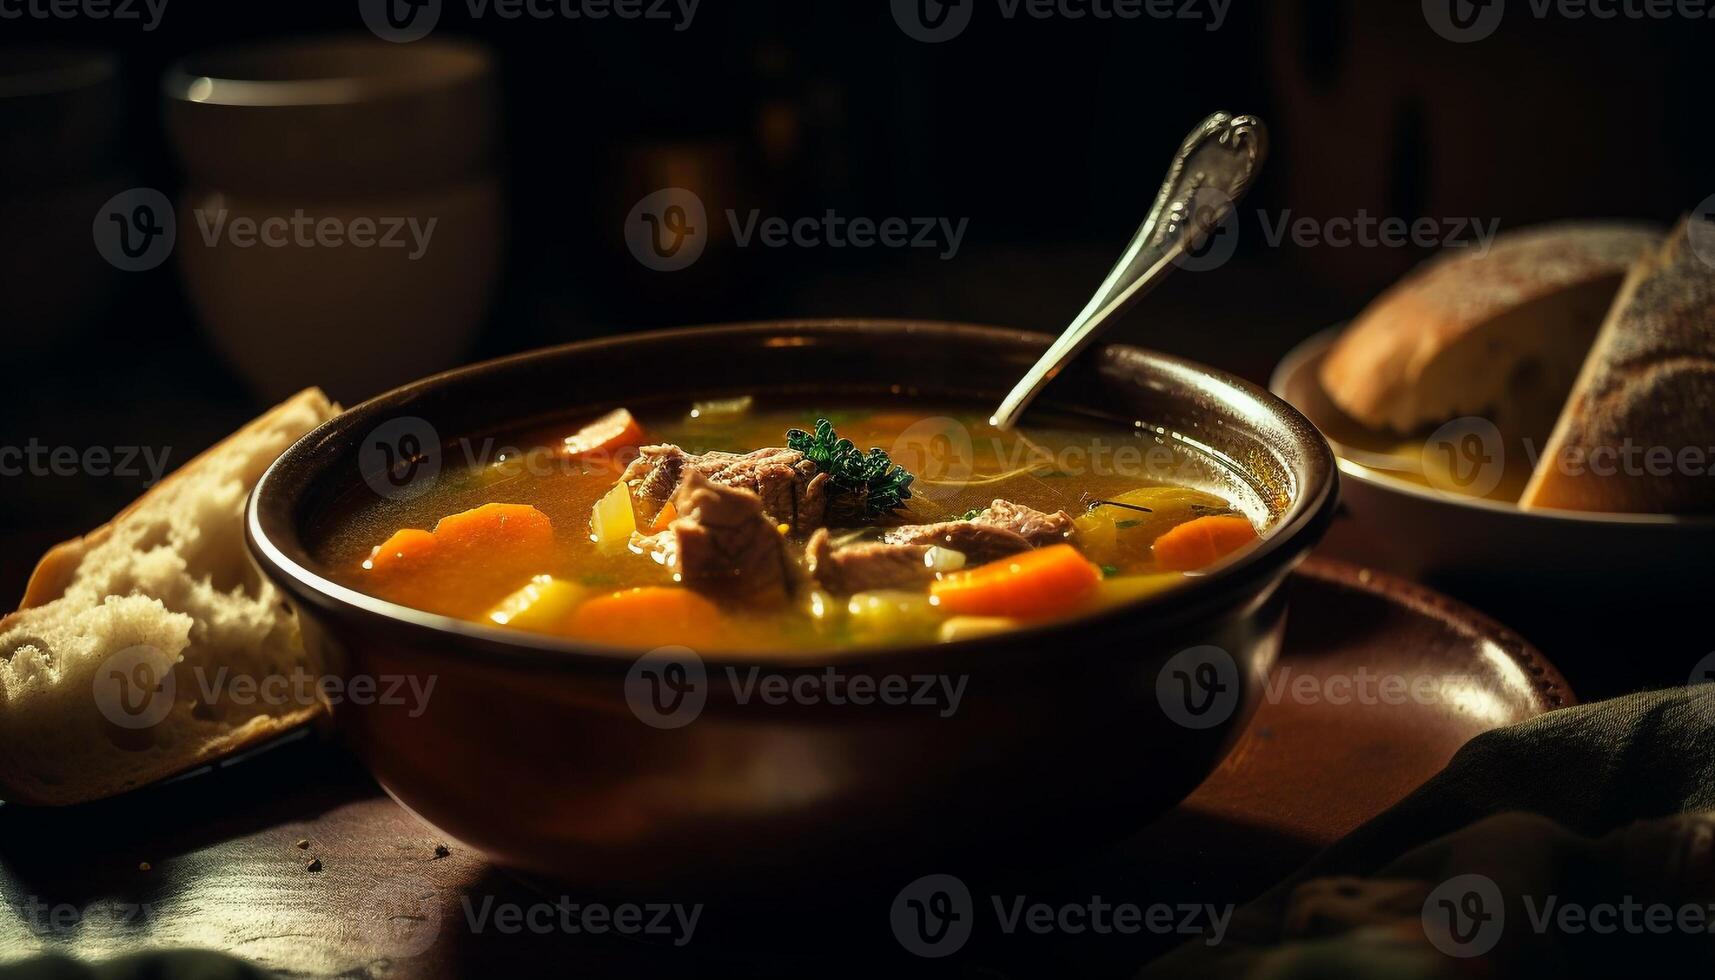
column 866, row 486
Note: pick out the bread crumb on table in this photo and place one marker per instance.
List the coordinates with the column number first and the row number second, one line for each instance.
column 314, row 865
column 304, row 845
column 144, row 866
column 442, row 850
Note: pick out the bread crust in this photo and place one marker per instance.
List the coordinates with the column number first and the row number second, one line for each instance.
column 1448, row 339
column 1647, row 386
column 53, row 578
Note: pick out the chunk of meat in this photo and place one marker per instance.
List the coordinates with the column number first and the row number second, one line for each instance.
column 726, row 546
column 868, row 565
column 1004, row 529
column 791, row 490
column 980, row 543
column 1039, row 528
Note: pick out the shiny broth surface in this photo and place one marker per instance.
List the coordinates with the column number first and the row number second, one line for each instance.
column 1124, row 486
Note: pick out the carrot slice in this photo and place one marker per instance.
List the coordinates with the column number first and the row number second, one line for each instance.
column 1049, row 581
column 1202, row 541
column 650, row 616
column 606, row 436
column 514, row 528
column 409, row 547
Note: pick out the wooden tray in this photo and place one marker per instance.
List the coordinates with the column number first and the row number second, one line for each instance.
column 213, row 860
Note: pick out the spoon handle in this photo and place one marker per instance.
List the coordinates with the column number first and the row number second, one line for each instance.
column 1212, row 170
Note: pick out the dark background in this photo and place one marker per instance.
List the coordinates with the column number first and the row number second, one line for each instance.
column 1050, row 136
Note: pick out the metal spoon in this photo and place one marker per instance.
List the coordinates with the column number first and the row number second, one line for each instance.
column 1212, row 170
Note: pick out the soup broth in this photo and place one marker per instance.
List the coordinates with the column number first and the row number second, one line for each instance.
column 573, row 530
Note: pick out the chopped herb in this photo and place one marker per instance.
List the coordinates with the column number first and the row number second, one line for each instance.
column 1109, row 571
column 597, row 580
column 970, row 515
column 1122, row 525
column 865, row 485
column 1207, row 510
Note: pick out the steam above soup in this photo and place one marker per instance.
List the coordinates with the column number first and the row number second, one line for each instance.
column 738, row 526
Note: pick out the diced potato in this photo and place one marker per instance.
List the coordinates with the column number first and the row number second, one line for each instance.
column 612, row 520
column 890, row 614
column 944, row 559
column 541, row 606
column 972, row 627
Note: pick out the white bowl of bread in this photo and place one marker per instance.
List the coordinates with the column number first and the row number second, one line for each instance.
column 1534, row 424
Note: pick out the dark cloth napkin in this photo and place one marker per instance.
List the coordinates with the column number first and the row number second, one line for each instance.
column 1580, row 843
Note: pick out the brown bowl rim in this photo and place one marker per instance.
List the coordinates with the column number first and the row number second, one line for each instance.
column 1300, row 524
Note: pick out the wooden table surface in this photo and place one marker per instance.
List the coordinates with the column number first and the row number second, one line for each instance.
column 214, row 861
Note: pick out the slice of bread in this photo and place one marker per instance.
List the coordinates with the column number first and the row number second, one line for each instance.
column 106, row 667
column 1638, row 433
column 1499, row 334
